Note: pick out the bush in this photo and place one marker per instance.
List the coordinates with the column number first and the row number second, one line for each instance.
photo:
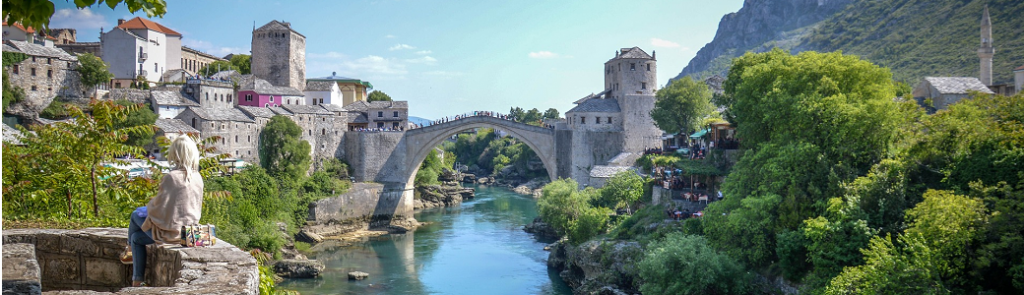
column 569, row 212
column 685, row 264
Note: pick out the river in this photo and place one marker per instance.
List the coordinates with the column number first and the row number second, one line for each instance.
column 478, row 248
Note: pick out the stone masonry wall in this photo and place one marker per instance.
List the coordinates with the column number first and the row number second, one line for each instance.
column 53, row 77
column 358, row 203
column 591, row 148
column 367, row 152
column 87, row 259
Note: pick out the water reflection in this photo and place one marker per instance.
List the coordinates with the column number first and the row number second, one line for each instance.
column 478, row 248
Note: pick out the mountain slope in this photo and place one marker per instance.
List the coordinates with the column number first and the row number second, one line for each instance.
column 915, row 38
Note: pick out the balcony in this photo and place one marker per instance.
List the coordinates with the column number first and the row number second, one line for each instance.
column 143, row 56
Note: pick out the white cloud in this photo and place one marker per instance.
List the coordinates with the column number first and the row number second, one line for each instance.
column 422, row 60
column 664, row 43
column 424, row 52
column 389, row 36
column 368, row 67
column 543, row 54
column 78, row 19
column 218, row 51
column 401, row 47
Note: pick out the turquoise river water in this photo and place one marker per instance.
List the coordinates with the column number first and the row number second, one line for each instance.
column 478, row 248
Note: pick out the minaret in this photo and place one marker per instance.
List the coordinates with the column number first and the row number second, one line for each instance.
column 986, row 51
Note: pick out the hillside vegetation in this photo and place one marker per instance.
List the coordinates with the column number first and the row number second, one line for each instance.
column 914, row 38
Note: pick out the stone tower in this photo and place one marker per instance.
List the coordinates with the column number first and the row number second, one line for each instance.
column 631, row 78
column 279, row 55
column 986, row 51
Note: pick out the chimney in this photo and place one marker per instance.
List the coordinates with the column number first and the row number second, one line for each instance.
column 120, row 21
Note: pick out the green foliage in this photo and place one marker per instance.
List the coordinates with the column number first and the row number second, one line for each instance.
column 142, row 115
column 93, row 70
column 746, row 231
column 60, row 166
column 568, row 210
column 682, row 105
column 686, row 264
column 336, row 168
column 492, row 153
column 621, row 191
column 37, row 14
column 57, row 110
column 11, row 58
column 649, row 161
column 283, row 153
column 242, row 63
column 12, row 94
column 429, row 170
column 378, row 95
column 552, row 113
column 217, row 66
column 929, row 258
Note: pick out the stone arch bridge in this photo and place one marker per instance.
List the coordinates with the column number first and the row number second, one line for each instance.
column 393, row 158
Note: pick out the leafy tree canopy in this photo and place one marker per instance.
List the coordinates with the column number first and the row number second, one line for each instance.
column 378, row 95
column 283, row 153
column 37, row 14
column 93, row 70
column 682, row 105
column 243, row 63
column 217, row 66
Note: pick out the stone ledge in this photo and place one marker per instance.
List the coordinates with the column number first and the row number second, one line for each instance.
column 20, row 270
column 86, row 262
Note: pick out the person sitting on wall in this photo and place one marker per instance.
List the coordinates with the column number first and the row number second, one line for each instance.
column 178, row 202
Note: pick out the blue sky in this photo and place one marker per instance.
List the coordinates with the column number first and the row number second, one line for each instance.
column 448, row 57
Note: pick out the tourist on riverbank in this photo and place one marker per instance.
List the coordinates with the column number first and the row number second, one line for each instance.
column 179, row 202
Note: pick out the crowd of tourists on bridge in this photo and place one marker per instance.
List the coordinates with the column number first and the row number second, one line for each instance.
column 472, row 114
column 382, row 129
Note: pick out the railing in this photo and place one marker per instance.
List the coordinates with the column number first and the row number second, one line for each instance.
column 143, row 56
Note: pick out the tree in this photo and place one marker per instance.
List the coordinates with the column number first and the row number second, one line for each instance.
column 568, row 210
column 378, row 95
column 141, row 115
column 552, row 113
column 686, row 264
column 37, row 14
column 93, row 70
column 622, row 190
column 217, row 66
column 282, row 152
column 429, row 170
column 516, row 114
column 681, row 106
column 242, row 62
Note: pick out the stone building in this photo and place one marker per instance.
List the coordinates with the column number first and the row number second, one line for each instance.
column 349, row 90
column 17, row 32
column 46, row 73
column 615, row 123
column 63, row 36
column 237, row 133
column 211, row 93
column 94, row 48
column 318, row 129
column 1018, row 79
column 168, row 128
column 279, row 55
column 193, row 60
column 168, row 103
column 986, row 51
column 937, row 93
column 253, row 91
column 381, row 114
column 140, row 47
column 322, row 92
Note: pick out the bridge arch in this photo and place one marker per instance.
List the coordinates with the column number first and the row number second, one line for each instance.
column 419, row 142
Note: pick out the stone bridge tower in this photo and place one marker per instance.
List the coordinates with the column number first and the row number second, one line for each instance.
column 279, row 55
column 631, row 78
column 986, row 51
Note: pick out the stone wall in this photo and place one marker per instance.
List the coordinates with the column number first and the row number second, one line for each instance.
column 130, row 94
column 639, row 130
column 592, row 148
column 358, row 203
column 87, row 259
column 43, row 78
column 367, row 152
column 20, row 270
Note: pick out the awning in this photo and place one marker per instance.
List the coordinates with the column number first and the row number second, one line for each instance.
column 699, row 134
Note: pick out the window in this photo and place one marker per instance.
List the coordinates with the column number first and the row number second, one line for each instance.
column 156, row 67
column 310, row 131
column 33, row 87
column 396, row 114
column 33, row 72
column 609, row 120
column 380, row 124
column 323, row 131
column 229, row 97
column 380, row 114
column 271, row 98
column 632, row 67
column 117, row 85
column 207, row 96
column 643, row 85
column 33, row 59
column 583, row 120
column 193, row 122
column 236, row 138
column 15, row 69
column 49, row 61
column 394, row 125
column 248, row 138
column 321, row 101
column 248, row 97
column 49, row 73
column 597, row 120
column 648, row 67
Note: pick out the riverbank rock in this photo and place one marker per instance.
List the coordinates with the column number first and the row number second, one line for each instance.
column 541, row 229
column 298, row 268
column 433, row 196
column 358, row 275
column 308, row 237
column 598, row 266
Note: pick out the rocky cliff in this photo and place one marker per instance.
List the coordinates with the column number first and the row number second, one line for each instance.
column 914, row 38
column 757, row 23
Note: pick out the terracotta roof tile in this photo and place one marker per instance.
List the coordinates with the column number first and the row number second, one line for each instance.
column 141, row 23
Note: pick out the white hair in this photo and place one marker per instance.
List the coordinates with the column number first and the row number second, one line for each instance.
column 184, row 154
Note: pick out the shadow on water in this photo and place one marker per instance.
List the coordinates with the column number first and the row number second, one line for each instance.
column 478, row 248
